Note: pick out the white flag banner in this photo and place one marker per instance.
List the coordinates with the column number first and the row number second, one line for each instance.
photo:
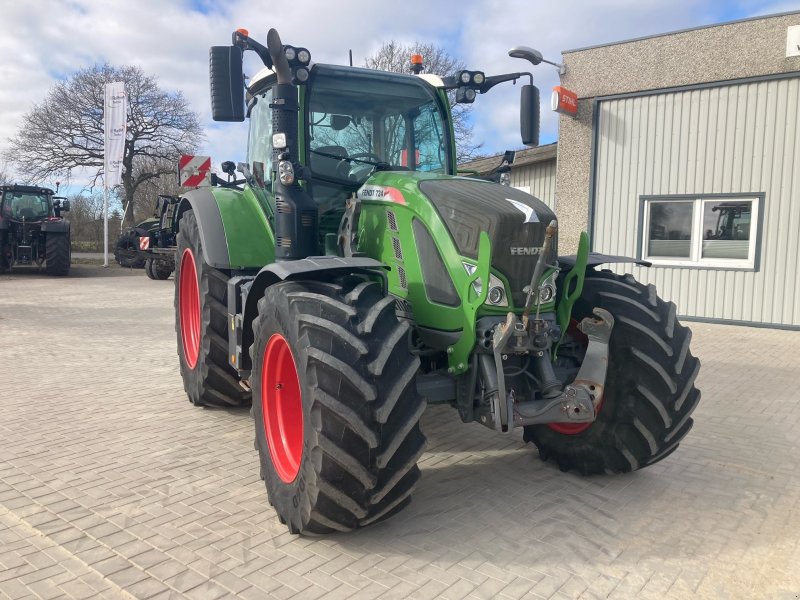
column 114, row 121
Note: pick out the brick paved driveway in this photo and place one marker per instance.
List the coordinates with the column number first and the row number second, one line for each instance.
column 113, row 485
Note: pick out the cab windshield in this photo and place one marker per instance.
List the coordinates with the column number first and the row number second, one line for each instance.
column 360, row 120
column 25, row 205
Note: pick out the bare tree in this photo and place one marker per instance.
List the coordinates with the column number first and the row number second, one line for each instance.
column 86, row 221
column 65, row 131
column 166, row 183
column 392, row 56
column 5, row 176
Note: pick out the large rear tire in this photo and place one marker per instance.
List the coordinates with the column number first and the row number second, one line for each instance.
column 126, row 251
column 201, row 318
column 4, row 266
column 335, row 404
column 58, row 254
column 650, row 393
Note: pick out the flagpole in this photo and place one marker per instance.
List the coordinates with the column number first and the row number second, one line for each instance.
column 105, row 222
column 114, row 125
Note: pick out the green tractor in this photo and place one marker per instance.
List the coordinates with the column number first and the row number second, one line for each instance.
column 350, row 278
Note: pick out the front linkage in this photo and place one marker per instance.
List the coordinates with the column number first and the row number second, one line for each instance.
column 573, row 403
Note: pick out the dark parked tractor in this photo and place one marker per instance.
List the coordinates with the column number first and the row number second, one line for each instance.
column 126, row 252
column 353, row 278
column 33, row 230
column 151, row 244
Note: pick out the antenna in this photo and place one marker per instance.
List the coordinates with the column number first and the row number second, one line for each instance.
column 351, row 57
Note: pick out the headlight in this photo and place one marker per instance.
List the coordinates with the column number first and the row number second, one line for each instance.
column 286, row 172
column 465, row 77
column 497, row 292
column 496, row 295
column 301, row 75
column 304, row 56
column 290, row 53
column 478, row 78
column 547, row 288
column 505, row 178
column 279, row 141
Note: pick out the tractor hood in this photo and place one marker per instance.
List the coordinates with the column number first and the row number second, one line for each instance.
column 514, row 220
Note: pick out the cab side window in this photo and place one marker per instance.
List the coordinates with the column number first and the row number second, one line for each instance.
column 259, row 143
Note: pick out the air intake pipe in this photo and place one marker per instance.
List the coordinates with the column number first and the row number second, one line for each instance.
column 295, row 211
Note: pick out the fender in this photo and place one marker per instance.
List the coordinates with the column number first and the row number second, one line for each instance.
column 596, row 259
column 233, row 227
column 312, row 268
column 55, row 226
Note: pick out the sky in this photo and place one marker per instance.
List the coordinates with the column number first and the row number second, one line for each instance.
column 43, row 41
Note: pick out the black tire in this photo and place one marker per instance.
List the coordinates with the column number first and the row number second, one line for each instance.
column 58, row 254
column 360, row 409
column 157, row 270
column 209, row 381
column 126, row 251
column 4, row 266
column 650, row 393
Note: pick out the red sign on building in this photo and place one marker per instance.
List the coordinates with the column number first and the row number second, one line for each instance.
column 564, row 101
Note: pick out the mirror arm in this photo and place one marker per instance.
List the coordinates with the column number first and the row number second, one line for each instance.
column 247, row 43
column 492, row 81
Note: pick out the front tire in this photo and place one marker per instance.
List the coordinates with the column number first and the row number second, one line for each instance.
column 650, row 393
column 201, row 317
column 58, row 254
column 157, row 270
column 335, row 404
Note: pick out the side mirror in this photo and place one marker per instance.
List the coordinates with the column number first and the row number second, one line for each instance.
column 529, row 115
column 65, row 206
column 339, row 122
column 227, row 83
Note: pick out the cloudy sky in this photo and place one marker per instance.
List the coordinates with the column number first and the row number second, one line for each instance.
column 46, row 40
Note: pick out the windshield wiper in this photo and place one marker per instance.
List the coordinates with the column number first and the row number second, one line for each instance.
column 379, row 165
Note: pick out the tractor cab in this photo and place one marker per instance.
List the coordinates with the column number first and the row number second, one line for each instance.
column 27, row 204
column 30, row 204
column 361, row 121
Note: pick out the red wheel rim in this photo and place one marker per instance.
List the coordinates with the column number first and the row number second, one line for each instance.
column 574, row 428
column 282, row 408
column 189, row 306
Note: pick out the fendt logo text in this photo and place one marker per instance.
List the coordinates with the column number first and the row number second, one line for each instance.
column 523, row 251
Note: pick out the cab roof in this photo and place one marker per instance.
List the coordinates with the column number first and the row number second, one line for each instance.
column 30, row 189
column 264, row 75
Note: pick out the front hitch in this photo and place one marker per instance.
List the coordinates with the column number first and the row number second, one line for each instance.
column 577, row 402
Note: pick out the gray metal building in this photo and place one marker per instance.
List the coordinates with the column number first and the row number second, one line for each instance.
column 534, row 171
column 686, row 152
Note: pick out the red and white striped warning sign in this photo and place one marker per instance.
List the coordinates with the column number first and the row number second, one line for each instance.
column 194, row 171
column 144, row 242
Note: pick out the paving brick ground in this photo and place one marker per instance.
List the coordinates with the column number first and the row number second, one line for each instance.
column 113, row 485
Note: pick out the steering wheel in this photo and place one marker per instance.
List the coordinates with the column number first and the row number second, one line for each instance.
column 375, row 157
column 357, row 170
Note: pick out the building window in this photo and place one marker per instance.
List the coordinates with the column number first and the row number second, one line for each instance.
column 701, row 231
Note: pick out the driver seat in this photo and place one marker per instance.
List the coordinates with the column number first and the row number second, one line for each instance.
column 326, row 166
